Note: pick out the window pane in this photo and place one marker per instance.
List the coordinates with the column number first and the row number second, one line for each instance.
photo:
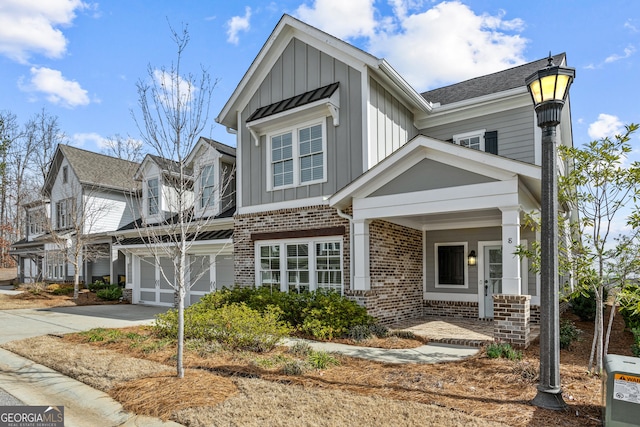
column 451, row 265
column 329, row 266
column 298, row 267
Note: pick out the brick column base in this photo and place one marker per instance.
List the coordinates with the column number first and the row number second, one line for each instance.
column 511, row 319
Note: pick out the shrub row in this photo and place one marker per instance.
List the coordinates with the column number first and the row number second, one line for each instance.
column 321, row 314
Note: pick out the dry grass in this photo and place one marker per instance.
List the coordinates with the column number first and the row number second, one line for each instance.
column 38, row 297
column 240, row 388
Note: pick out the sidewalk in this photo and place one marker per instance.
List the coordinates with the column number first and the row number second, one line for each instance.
column 429, row 353
column 38, row 385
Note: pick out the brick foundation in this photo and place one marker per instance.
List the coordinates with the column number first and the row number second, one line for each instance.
column 467, row 310
column 127, row 295
column 511, row 319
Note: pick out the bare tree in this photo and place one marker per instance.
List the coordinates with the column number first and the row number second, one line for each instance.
column 44, row 131
column 174, row 112
column 126, row 148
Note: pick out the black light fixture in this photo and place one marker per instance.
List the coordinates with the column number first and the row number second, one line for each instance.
column 549, row 88
column 472, row 258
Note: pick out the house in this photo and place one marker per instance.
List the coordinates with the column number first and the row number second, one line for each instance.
column 29, row 251
column 204, row 193
column 86, row 196
column 410, row 203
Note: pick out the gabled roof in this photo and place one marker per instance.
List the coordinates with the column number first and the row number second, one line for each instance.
column 288, row 28
column 488, row 84
column 166, row 166
column 421, row 147
column 93, row 169
column 222, row 148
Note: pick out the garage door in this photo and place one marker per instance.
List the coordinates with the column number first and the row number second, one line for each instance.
column 156, row 281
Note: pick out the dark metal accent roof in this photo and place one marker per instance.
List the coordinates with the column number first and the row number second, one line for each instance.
column 293, row 102
column 164, row 238
column 490, row 83
column 138, row 224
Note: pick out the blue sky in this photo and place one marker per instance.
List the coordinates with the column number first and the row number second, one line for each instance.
column 80, row 60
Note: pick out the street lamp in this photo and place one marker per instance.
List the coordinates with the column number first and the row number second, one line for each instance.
column 549, row 88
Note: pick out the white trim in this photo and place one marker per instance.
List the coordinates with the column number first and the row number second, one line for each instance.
column 479, row 133
column 481, row 245
column 311, row 254
column 291, row 204
column 464, row 260
column 295, row 147
column 238, row 164
column 449, row 297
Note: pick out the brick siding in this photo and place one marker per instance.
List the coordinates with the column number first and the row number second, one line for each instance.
column 467, row 310
column 511, row 315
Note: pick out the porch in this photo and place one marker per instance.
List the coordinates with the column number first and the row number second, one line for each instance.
column 456, row 331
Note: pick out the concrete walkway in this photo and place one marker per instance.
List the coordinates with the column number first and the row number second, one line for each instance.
column 429, row 353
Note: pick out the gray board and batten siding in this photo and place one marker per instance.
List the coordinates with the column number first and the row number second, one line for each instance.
column 515, row 132
column 302, row 68
column 390, row 123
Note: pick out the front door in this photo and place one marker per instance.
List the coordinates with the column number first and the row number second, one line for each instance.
column 492, row 277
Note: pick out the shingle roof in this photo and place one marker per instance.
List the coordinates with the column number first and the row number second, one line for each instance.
column 222, row 148
column 488, row 84
column 294, row 101
column 138, row 223
column 170, row 166
column 100, row 170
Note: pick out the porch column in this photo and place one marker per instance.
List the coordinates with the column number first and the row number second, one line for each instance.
column 361, row 277
column 511, row 274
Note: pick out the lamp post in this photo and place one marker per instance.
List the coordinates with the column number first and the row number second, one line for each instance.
column 549, row 88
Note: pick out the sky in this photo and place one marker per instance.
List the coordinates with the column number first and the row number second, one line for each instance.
column 80, row 60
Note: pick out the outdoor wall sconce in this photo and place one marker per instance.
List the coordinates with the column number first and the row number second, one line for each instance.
column 472, row 258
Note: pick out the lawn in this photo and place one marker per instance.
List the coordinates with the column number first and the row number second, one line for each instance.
column 222, row 387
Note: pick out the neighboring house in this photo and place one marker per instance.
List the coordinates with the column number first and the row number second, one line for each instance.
column 206, row 197
column 87, row 195
column 410, row 203
column 29, row 251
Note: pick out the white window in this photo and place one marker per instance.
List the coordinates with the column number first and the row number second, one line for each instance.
column 451, row 265
column 473, row 139
column 297, row 156
column 207, row 185
column 300, row 265
column 64, row 211
column 65, row 174
column 152, row 196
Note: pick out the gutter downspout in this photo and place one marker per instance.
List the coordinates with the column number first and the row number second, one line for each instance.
column 349, row 218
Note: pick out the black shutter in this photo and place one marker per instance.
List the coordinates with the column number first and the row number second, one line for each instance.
column 491, row 142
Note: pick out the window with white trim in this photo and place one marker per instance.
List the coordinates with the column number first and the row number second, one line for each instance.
column 474, row 140
column 207, row 186
column 297, row 156
column 300, row 265
column 153, row 194
column 64, row 212
column 451, row 265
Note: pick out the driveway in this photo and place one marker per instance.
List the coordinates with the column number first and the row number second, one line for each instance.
column 26, row 323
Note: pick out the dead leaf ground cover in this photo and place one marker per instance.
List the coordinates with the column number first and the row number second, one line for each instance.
column 37, row 297
column 243, row 388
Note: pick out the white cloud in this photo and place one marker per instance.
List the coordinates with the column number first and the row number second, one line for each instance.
column 629, row 25
column 172, row 85
column 237, row 24
column 447, row 43
column 32, row 26
column 56, row 88
column 628, row 51
column 606, row 126
column 341, row 18
column 81, row 139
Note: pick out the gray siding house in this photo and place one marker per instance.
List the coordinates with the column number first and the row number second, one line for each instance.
column 410, row 203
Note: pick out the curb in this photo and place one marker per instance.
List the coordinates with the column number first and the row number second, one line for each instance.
column 36, row 384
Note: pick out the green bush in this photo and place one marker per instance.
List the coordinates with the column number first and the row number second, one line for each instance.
column 235, row 325
column 321, row 360
column 629, row 299
column 322, row 314
column 379, row 330
column 568, row 334
column 504, row 350
column 61, row 289
column 584, row 304
column 635, row 347
column 94, row 287
column 360, row 333
column 112, row 293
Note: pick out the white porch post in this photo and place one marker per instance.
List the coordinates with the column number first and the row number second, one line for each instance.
column 511, row 274
column 361, row 278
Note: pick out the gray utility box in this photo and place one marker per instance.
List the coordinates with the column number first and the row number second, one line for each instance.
column 621, row 391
